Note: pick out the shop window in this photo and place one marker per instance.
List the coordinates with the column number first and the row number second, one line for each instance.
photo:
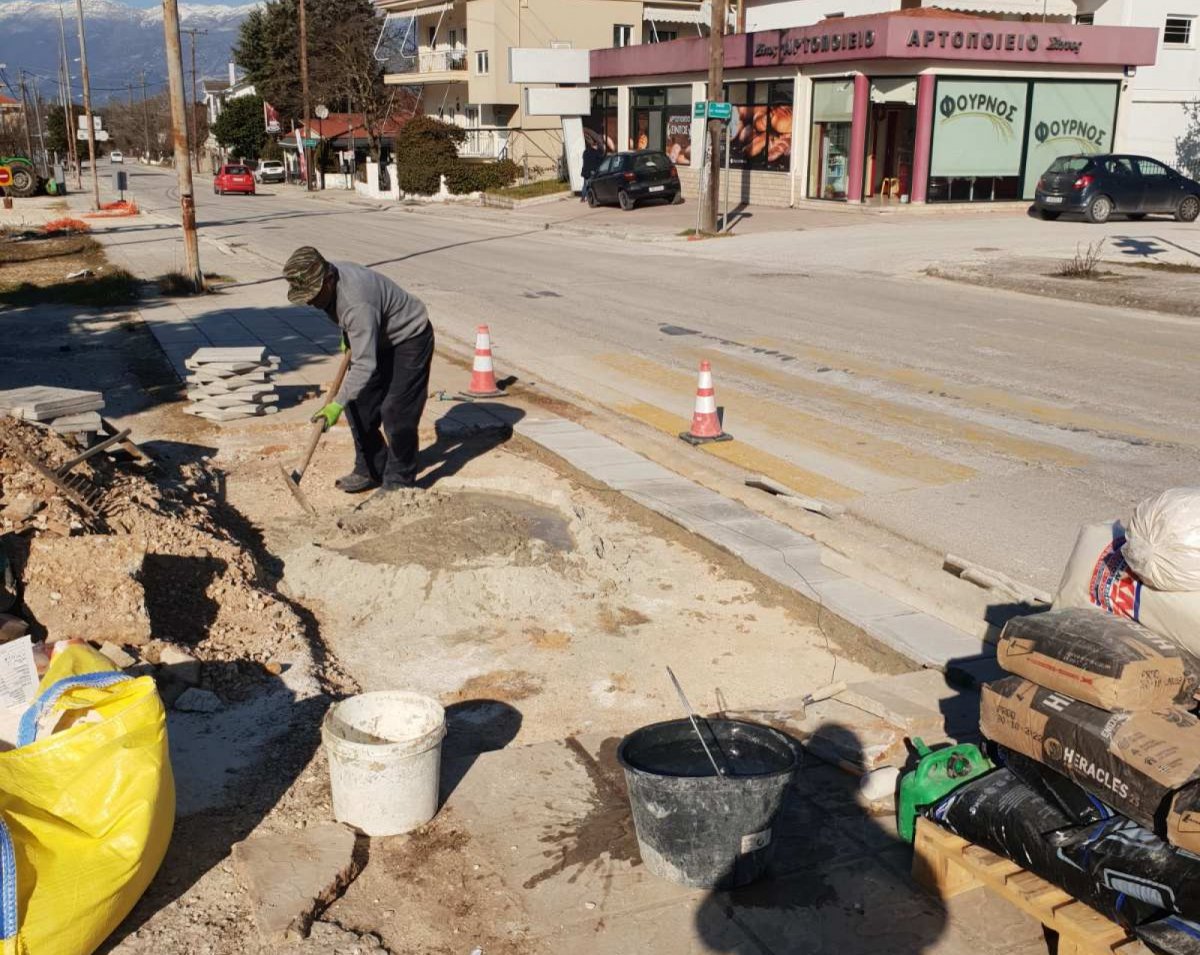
column 600, row 125
column 1067, row 119
column 661, row 118
column 829, row 164
column 622, row 34
column 978, row 140
column 764, row 136
column 1178, row 31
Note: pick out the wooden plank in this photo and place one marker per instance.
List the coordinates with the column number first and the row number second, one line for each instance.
column 948, row 865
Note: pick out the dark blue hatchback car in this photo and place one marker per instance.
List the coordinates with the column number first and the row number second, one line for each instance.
column 1103, row 185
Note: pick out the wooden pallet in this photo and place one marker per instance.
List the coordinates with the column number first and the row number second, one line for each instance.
column 948, row 865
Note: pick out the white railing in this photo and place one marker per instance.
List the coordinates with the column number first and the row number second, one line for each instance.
column 433, row 61
column 484, row 144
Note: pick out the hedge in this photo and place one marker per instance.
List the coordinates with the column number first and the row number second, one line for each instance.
column 427, row 149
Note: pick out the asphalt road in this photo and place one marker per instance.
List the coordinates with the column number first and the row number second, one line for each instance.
column 981, row 422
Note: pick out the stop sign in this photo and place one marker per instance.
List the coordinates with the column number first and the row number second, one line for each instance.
column 5, row 176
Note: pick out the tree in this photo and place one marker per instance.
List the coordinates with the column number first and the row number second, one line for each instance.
column 56, row 129
column 1187, row 146
column 343, row 71
column 240, row 127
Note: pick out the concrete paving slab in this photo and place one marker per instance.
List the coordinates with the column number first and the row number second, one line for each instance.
column 617, row 475
column 771, row 533
column 923, row 637
column 594, row 460
column 858, row 602
column 799, row 568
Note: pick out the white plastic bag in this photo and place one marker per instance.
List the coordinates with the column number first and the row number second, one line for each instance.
column 1162, row 542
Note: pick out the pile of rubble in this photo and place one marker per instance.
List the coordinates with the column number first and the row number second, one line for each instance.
column 154, row 567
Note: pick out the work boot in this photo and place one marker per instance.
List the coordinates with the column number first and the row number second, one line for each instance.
column 355, row 483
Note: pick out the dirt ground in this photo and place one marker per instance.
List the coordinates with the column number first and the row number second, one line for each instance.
column 1142, row 285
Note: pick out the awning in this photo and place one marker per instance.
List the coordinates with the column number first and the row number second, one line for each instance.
column 894, row 89
column 1052, row 8
column 673, row 15
column 428, row 9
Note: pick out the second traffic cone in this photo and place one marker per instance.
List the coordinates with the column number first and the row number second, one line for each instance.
column 483, row 376
column 706, row 423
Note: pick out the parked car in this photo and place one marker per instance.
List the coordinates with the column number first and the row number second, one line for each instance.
column 625, row 179
column 116, row 156
column 233, row 178
column 1102, row 185
column 271, row 170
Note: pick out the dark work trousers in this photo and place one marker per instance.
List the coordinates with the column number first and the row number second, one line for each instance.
column 390, row 405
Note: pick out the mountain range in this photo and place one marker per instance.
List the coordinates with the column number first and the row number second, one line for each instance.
column 121, row 42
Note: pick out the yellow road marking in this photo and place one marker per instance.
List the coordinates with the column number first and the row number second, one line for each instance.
column 876, row 454
column 746, row 456
column 901, row 415
column 981, row 395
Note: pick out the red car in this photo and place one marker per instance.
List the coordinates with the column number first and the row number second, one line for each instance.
column 233, row 179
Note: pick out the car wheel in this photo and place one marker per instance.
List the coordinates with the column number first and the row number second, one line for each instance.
column 1188, row 210
column 625, row 201
column 677, row 199
column 1049, row 214
column 1100, row 210
column 216, row 192
column 591, row 199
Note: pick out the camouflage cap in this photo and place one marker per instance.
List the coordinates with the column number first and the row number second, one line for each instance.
column 305, row 272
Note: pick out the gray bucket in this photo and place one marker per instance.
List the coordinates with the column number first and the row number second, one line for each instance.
column 697, row 828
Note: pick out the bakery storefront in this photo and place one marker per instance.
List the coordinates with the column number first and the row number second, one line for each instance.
column 890, row 108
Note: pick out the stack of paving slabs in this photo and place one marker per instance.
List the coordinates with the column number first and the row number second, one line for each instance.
column 65, row 410
column 226, row 384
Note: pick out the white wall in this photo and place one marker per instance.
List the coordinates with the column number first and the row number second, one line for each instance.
column 780, row 14
column 1158, row 93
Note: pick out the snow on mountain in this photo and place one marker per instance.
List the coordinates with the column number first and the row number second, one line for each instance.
column 122, row 41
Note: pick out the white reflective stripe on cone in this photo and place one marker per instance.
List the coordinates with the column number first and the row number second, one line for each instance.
column 482, row 363
column 706, row 405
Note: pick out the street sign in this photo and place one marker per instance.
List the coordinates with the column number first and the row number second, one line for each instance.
column 98, row 121
column 322, row 111
column 101, row 135
column 311, row 143
column 715, row 110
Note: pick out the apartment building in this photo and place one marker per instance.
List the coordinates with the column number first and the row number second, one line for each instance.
column 1160, row 94
column 455, row 54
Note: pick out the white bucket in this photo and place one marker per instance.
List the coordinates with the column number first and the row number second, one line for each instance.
column 385, row 756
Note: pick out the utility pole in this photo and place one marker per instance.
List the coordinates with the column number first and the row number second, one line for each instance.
column 308, row 166
column 37, row 115
column 68, row 104
column 87, row 108
column 716, row 91
column 192, row 31
column 145, row 116
column 179, row 138
column 25, row 114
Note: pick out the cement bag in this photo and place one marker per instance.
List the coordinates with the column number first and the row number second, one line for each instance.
column 87, row 803
column 1097, row 575
column 1173, row 935
column 1163, row 540
column 1110, row 662
column 1145, row 765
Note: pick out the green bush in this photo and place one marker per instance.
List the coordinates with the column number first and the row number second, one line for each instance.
column 481, row 177
column 426, row 149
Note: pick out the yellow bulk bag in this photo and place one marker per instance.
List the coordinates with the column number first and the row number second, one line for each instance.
column 86, row 811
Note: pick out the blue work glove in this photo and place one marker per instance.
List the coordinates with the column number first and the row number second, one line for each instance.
column 329, row 414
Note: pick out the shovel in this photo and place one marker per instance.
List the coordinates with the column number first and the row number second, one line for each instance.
column 292, row 478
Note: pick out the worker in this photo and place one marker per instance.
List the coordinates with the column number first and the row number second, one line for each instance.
column 390, row 339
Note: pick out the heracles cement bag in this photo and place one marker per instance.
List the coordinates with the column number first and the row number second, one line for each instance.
column 87, row 804
column 1145, row 765
column 1097, row 575
column 1163, row 540
column 1110, row 662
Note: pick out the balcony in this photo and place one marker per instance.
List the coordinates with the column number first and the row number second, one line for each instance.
column 430, row 65
column 484, row 144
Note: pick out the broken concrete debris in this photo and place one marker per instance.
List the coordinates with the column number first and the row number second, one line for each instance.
column 181, row 666
column 117, row 656
column 226, row 384
column 291, row 877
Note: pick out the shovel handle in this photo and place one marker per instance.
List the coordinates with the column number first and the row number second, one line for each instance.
column 318, row 428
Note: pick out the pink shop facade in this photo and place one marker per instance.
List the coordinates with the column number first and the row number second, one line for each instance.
column 880, row 109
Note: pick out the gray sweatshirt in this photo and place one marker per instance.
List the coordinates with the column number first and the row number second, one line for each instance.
column 371, row 309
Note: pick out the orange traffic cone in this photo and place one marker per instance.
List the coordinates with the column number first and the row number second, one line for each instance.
column 706, row 423
column 483, row 376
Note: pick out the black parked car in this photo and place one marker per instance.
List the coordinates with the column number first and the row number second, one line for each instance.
column 627, row 178
column 1098, row 186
